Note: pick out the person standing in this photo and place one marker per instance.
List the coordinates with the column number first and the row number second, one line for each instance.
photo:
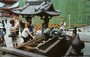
column 17, row 25
column 1, row 33
column 13, row 33
column 62, row 25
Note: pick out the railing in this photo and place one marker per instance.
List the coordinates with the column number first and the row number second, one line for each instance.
column 19, row 53
column 38, row 27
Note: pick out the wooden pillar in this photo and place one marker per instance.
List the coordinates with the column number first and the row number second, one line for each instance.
column 45, row 21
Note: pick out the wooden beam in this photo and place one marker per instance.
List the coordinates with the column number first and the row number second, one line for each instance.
column 29, row 42
column 18, row 52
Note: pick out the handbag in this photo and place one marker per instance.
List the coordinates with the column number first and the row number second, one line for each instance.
column 12, row 34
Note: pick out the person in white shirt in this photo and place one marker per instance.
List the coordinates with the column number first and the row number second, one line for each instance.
column 62, row 24
column 13, row 32
column 25, row 33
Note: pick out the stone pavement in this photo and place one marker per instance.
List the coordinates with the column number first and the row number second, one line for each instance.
column 8, row 40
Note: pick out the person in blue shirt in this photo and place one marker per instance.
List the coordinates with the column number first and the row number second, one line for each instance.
column 31, row 28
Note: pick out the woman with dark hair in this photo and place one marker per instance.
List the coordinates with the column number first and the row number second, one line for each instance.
column 13, row 32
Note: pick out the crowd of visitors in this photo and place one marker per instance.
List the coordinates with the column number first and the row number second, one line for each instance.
column 17, row 28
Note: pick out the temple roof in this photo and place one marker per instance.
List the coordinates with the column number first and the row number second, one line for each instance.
column 33, row 7
column 9, row 6
column 1, row 4
column 8, row 1
column 26, row 9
